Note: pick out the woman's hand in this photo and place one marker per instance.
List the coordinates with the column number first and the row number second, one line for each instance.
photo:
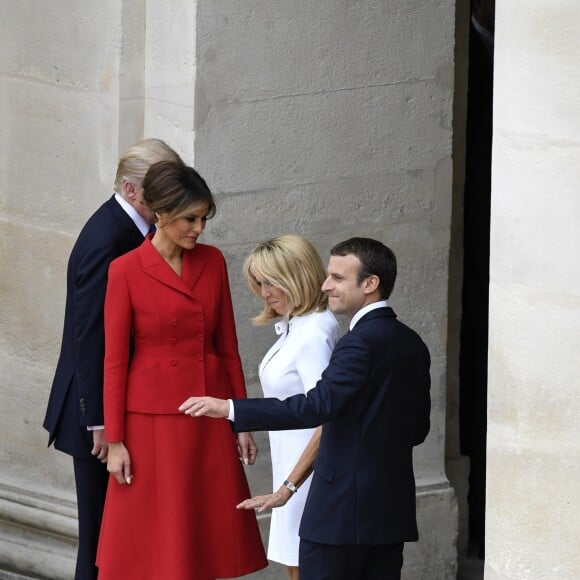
column 205, row 407
column 247, row 448
column 264, row 502
column 119, row 463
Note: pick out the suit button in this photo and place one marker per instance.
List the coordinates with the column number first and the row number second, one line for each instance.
column 200, row 357
column 200, row 337
column 173, row 362
column 173, row 322
column 200, row 316
column 173, row 341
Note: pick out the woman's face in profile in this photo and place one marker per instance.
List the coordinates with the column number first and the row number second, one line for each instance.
column 184, row 229
column 274, row 297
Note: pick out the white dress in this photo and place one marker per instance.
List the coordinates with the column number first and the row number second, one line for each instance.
column 293, row 365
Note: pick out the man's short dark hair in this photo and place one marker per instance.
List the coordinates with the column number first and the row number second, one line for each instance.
column 376, row 259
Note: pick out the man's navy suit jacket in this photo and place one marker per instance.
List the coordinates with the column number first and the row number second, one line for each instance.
column 76, row 397
column 373, row 400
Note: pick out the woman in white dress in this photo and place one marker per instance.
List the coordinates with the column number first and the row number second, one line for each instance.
column 287, row 273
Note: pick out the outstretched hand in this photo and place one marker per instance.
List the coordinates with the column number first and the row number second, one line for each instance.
column 264, row 502
column 205, row 407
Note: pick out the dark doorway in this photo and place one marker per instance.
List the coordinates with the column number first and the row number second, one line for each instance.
column 475, row 293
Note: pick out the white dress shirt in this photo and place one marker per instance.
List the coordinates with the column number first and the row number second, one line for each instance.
column 365, row 310
column 138, row 220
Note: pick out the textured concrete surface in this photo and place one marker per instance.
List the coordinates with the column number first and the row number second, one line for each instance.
column 328, row 119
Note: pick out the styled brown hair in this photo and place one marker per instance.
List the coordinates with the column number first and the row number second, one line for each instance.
column 173, row 188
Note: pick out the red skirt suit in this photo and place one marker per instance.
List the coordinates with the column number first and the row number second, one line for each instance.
column 177, row 519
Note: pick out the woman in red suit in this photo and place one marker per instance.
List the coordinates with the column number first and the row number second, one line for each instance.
column 169, row 334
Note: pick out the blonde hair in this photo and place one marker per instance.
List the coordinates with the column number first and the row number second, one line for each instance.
column 135, row 162
column 291, row 263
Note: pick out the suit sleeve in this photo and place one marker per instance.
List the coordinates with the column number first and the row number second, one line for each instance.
column 423, row 398
column 345, row 375
column 226, row 343
column 89, row 296
column 118, row 321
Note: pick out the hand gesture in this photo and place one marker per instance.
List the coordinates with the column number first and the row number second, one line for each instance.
column 205, row 407
column 264, row 502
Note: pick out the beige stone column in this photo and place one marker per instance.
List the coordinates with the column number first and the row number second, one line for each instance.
column 533, row 473
column 71, row 97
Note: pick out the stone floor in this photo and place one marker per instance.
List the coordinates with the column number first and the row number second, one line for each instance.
column 4, row 575
column 468, row 570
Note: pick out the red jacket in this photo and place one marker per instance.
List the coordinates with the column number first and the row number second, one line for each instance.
column 182, row 329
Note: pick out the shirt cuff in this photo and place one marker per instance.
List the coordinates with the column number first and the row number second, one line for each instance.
column 95, row 428
column 232, row 413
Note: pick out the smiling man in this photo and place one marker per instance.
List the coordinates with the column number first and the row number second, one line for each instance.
column 373, row 399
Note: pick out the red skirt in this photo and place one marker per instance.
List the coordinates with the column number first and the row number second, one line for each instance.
column 177, row 520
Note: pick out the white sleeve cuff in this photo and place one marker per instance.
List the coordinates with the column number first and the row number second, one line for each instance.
column 232, row 413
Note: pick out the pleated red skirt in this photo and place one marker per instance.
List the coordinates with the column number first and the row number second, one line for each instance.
column 177, row 520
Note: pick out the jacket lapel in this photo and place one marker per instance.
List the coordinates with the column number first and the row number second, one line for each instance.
column 156, row 267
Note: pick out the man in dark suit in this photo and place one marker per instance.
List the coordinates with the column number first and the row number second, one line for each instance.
column 373, row 400
column 74, row 415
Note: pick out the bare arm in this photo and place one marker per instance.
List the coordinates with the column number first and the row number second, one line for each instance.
column 298, row 476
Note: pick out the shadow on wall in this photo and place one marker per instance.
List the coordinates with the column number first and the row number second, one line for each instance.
column 475, row 296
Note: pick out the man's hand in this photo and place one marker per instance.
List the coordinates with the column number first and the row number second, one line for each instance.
column 119, row 463
column 247, row 448
column 100, row 447
column 205, row 407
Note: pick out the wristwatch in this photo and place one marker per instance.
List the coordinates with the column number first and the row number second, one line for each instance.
column 289, row 485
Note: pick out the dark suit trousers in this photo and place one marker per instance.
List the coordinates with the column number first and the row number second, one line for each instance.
column 350, row 562
column 91, row 479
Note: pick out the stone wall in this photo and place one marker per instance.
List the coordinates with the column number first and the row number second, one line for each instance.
column 328, row 119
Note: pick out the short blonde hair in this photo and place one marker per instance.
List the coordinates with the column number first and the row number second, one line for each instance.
column 135, row 162
column 291, row 263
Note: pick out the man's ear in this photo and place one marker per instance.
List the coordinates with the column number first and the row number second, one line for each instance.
column 129, row 190
column 371, row 284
